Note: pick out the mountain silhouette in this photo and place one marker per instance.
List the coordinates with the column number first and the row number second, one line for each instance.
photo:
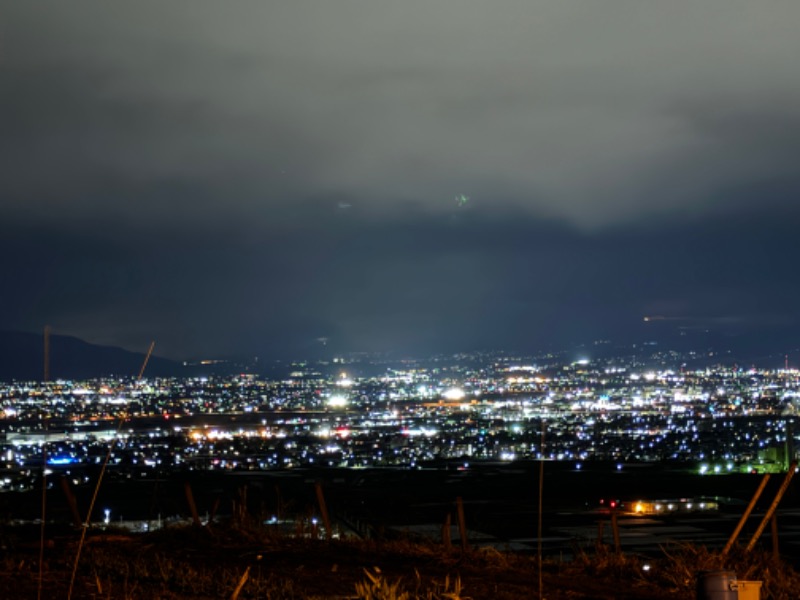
column 22, row 359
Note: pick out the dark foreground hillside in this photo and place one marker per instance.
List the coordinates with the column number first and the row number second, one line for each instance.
column 224, row 561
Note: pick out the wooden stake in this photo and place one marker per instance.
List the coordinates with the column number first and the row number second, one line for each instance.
column 44, row 512
column 541, row 509
column 243, row 504
column 323, row 509
column 776, row 553
column 615, row 531
column 278, row 502
column 187, row 488
column 462, row 524
column 47, row 353
column 73, row 505
column 214, row 509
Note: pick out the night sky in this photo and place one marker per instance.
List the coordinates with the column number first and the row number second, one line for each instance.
column 247, row 178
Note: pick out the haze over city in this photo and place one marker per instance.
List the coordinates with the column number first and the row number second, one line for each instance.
column 264, row 179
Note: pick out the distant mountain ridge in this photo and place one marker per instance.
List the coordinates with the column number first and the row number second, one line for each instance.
column 22, row 359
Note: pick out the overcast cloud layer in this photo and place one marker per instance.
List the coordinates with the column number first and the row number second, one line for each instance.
column 248, row 177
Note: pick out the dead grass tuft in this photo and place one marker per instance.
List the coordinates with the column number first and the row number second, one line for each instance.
column 378, row 587
column 682, row 563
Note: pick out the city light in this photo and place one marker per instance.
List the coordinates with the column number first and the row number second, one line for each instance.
column 716, row 420
column 337, row 401
column 454, row 394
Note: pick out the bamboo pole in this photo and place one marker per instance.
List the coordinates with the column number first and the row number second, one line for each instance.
column 745, row 515
column 46, row 378
column 773, row 507
column 241, row 583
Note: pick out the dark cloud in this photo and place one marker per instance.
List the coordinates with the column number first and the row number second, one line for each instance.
column 250, row 178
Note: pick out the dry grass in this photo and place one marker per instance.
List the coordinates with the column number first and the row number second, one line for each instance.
column 682, row 562
column 253, row 563
column 378, row 587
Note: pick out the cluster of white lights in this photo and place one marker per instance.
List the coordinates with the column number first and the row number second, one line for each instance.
column 337, row 401
column 454, row 394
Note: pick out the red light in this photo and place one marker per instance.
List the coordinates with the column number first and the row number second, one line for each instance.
column 613, row 504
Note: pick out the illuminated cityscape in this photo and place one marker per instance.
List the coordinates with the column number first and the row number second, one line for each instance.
column 395, row 271
column 444, row 412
